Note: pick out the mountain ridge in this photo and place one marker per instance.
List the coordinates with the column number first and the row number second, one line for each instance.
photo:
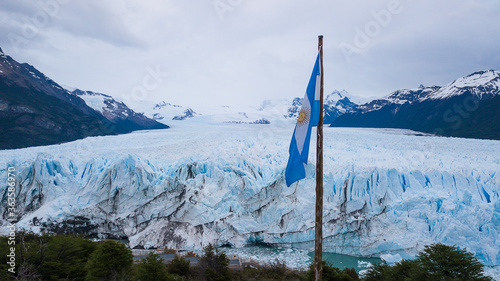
column 124, row 118
column 35, row 110
column 467, row 107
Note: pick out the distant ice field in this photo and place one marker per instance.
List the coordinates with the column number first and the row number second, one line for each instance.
column 354, row 148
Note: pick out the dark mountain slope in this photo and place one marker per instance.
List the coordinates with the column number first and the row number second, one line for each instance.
column 468, row 107
column 30, row 117
column 124, row 118
column 35, row 110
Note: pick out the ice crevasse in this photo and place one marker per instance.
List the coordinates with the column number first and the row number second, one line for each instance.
column 371, row 208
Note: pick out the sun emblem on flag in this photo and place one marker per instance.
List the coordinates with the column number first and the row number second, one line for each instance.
column 304, row 116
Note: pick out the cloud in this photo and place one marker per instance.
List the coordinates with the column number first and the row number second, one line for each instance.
column 98, row 20
column 253, row 50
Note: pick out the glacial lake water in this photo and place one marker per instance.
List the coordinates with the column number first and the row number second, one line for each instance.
column 343, row 261
column 298, row 258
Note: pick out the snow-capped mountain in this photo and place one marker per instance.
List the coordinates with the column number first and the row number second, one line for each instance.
column 124, row 118
column 335, row 104
column 337, row 95
column 26, row 76
column 398, row 98
column 467, row 107
column 482, row 85
column 269, row 112
column 188, row 113
column 35, row 110
column 166, row 111
column 294, row 109
column 387, row 192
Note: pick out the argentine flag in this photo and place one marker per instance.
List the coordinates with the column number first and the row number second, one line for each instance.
column 308, row 117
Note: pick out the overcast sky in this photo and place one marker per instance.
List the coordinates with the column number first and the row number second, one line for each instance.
column 245, row 51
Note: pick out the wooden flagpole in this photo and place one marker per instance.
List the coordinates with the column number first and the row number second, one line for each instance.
column 318, row 241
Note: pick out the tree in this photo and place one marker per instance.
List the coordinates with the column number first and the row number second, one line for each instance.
column 30, row 255
column 276, row 270
column 66, row 257
column 215, row 264
column 378, row 272
column 48, row 256
column 152, row 268
column 442, row 262
column 31, row 248
column 436, row 262
column 331, row 273
column 178, row 266
column 27, row 272
column 110, row 261
column 400, row 271
column 351, row 272
column 4, row 259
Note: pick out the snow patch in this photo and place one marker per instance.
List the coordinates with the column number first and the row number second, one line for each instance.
column 94, row 101
column 476, row 79
column 484, row 79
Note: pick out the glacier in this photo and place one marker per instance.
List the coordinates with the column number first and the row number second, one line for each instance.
column 387, row 192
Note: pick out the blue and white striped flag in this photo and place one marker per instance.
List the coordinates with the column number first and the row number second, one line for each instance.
column 308, row 117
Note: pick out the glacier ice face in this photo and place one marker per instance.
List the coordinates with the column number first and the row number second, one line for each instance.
column 386, row 191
